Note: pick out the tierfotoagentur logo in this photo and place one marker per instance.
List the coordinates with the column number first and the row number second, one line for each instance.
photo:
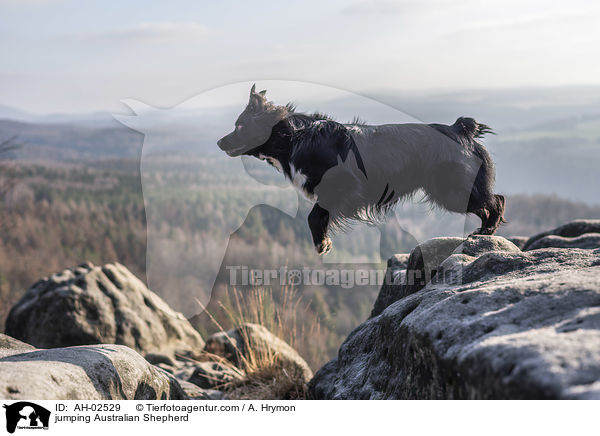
column 24, row 415
column 346, row 278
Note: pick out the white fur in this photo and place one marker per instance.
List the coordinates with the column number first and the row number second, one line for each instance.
column 272, row 161
column 299, row 180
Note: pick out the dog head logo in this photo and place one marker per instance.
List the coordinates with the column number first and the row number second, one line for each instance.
column 26, row 415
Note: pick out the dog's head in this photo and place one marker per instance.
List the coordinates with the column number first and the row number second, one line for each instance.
column 254, row 125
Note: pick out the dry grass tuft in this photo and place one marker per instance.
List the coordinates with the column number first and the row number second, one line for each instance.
column 267, row 376
column 278, row 381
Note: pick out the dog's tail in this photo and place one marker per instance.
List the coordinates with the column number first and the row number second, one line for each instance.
column 470, row 128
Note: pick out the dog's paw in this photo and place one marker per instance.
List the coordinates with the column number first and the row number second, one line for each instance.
column 324, row 247
column 484, row 231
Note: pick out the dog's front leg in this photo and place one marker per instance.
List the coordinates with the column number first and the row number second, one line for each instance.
column 318, row 222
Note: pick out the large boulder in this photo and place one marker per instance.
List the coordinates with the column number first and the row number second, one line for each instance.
column 96, row 372
column 93, row 305
column 251, row 343
column 405, row 276
column 576, row 234
column 493, row 323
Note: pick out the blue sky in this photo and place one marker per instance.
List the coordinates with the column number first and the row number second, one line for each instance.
column 80, row 56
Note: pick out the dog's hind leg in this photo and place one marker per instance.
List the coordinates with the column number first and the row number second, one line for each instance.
column 318, row 222
column 492, row 215
column 496, row 216
column 489, row 207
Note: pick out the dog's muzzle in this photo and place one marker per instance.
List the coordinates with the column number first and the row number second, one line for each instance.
column 230, row 152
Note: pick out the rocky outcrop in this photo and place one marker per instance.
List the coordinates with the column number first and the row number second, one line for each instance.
column 252, row 342
column 100, row 305
column 96, row 372
column 576, row 234
column 494, row 322
column 405, row 278
column 109, row 305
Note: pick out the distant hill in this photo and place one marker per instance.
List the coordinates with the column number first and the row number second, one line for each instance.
column 92, row 119
column 58, row 142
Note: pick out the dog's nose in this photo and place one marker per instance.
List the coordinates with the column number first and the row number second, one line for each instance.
column 219, row 142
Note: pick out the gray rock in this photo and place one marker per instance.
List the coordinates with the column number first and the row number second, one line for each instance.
column 395, row 275
column 476, row 245
column 519, row 241
column 214, row 374
column 424, row 261
column 322, row 384
column 160, row 359
column 197, row 393
column 253, row 341
column 93, row 372
column 92, row 305
column 209, row 374
column 9, row 346
column 586, row 241
column 500, row 325
column 566, row 231
column 206, row 375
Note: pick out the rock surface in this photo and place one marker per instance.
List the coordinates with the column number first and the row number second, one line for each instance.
column 568, row 236
column 519, row 241
column 395, row 276
column 208, row 374
column 586, row 241
column 197, row 393
column 252, row 340
column 93, row 372
column 493, row 323
column 100, row 305
column 405, row 278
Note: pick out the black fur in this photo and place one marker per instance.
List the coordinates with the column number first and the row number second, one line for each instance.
column 310, row 142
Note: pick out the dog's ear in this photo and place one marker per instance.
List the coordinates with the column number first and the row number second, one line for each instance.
column 257, row 99
column 256, row 102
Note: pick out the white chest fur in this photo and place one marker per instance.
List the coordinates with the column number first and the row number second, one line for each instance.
column 299, row 181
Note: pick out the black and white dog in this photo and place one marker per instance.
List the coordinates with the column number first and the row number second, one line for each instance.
column 359, row 172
